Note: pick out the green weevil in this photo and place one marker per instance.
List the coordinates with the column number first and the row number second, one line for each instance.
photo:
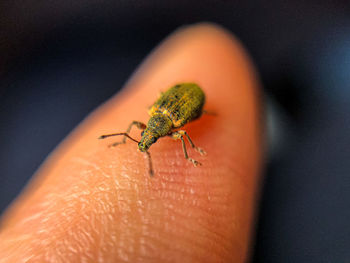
column 177, row 106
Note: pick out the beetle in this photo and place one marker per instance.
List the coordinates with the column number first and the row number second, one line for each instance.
column 175, row 107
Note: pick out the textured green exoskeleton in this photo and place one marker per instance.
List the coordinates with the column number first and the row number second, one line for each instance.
column 177, row 106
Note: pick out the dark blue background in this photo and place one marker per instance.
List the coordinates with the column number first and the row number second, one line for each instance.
column 60, row 60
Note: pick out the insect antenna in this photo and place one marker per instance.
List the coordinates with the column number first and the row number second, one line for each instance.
column 150, row 165
column 117, row 134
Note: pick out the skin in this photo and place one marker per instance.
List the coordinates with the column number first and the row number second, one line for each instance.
column 91, row 203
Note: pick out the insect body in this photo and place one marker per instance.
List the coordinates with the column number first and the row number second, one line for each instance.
column 177, row 106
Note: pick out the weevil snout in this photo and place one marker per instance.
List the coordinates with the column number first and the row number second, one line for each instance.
column 158, row 126
column 146, row 141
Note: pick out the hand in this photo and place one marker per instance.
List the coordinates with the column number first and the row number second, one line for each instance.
column 91, row 203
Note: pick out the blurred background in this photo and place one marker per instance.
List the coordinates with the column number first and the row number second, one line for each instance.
column 60, row 59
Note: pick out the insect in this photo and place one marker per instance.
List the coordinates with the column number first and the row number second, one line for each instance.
column 177, row 106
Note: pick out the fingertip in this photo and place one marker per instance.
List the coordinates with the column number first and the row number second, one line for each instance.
column 181, row 210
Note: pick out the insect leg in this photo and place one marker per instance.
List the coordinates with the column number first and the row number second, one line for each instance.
column 209, row 112
column 138, row 124
column 179, row 135
column 201, row 151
